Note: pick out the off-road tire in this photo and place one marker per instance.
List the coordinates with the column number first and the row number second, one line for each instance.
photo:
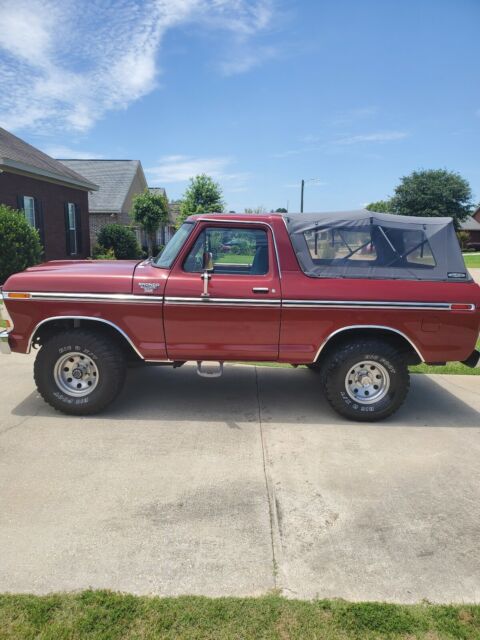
column 338, row 365
column 98, row 348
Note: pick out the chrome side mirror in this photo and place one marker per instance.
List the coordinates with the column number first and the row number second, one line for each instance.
column 207, row 261
column 207, row 270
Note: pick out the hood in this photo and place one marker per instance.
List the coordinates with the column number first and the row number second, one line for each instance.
column 76, row 276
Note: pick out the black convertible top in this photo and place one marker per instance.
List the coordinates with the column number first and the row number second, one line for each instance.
column 365, row 244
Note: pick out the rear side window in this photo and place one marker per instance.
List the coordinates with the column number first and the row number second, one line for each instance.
column 370, row 246
column 236, row 251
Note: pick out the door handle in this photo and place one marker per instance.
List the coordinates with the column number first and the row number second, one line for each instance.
column 260, row 289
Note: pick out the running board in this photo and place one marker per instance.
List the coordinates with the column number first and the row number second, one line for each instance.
column 209, row 373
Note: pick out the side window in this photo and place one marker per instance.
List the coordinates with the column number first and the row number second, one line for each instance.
column 29, row 209
column 73, row 229
column 236, row 251
column 332, row 245
column 411, row 248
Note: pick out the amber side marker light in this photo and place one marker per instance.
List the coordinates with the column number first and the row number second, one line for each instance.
column 18, row 296
column 462, row 307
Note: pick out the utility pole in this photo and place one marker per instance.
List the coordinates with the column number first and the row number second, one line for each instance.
column 301, row 196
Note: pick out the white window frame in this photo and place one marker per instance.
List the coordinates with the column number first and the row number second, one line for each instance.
column 30, row 217
column 72, row 226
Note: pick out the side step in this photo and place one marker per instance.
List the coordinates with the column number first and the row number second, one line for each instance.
column 209, row 373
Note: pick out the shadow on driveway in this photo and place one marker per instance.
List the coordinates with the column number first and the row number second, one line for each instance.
column 285, row 396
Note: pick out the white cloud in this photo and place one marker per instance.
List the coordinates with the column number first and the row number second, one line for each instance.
column 382, row 136
column 242, row 61
column 180, row 168
column 67, row 63
column 61, row 151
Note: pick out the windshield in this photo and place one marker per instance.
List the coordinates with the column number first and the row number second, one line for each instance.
column 166, row 258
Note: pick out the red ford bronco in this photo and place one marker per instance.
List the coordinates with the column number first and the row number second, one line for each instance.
column 356, row 296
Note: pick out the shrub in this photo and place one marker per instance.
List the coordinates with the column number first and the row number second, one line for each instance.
column 121, row 240
column 19, row 243
column 100, row 253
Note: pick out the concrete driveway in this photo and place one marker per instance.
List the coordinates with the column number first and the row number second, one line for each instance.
column 241, row 485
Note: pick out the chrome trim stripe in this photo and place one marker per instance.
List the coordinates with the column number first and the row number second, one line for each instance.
column 368, row 304
column 368, row 326
column 52, row 318
column 225, row 302
column 249, row 222
column 89, row 297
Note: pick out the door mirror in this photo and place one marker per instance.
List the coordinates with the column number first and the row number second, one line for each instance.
column 207, row 261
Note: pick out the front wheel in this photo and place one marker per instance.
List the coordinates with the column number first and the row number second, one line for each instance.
column 366, row 381
column 79, row 372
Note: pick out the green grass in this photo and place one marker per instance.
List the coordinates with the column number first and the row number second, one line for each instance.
column 232, row 258
column 102, row 615
column 472, row 259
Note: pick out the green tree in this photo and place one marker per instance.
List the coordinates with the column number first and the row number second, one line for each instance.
column 19, row 243
column 203, row 195
column 255, row 210
column 150, row 211
column 281, row 210
column 380, row 206
column 433, row 193
column 119, row 239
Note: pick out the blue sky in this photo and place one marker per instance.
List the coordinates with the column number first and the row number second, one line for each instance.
column 257, row 93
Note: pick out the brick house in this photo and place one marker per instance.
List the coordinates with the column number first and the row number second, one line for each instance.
column 472, row 226
column 53, row 197
column 119, row 181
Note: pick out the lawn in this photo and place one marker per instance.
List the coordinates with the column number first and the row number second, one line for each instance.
column 472, row 260
column 232, row 258
column 102, row 615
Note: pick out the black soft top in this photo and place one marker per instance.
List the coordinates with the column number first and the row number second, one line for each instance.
column 365, row 244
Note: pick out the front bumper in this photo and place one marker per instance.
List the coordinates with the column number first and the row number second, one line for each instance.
column 4, row 344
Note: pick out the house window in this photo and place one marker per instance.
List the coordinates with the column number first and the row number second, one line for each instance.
column 29, row 209
column 72, row 228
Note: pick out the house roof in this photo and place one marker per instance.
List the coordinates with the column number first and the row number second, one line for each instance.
column 17, row 156
column 114, row 178
column 470, row 224
column 158, row 191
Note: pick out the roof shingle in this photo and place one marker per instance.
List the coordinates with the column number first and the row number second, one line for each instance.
column 16, row 154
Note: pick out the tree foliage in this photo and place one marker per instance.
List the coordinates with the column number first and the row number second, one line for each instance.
column 380, row 206
column 203, row 195
column 281, row 210
column 150, row 211
column 19, row 243
column 120, row 239
column 433, row 193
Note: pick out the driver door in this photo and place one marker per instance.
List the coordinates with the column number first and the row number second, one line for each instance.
column 240, row 317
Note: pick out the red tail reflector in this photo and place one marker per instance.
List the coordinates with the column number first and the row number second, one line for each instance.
column 462, row 307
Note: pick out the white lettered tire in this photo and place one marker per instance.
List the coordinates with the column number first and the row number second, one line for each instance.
column 80, row 372
column 366, row 381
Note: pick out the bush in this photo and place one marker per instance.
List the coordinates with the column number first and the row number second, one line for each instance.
column 19, row 243
column 100, row 253
column 121, row 240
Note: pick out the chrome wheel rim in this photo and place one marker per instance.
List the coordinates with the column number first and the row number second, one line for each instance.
column 76, row 374
column 367, row 382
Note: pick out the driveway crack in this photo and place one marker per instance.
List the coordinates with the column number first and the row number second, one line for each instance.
column 274, row 533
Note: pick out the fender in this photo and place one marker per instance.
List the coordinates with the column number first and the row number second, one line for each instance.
column 368, row 326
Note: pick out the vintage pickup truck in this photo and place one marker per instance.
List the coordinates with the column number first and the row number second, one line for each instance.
column 356, row 296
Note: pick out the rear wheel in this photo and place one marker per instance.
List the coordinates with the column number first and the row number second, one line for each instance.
column 366, row 381
column 79, row 372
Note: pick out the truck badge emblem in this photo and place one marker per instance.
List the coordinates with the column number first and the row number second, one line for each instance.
column 148, row 287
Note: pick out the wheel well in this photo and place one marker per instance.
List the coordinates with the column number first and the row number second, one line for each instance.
column 389, row 336
column 50, row 327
